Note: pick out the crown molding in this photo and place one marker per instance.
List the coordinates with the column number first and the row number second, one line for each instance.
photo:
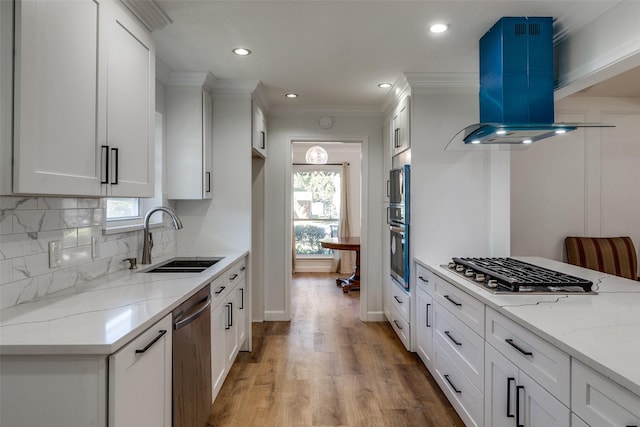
column 235, row 87
column 443, row 82
column 149, row 13
column 192, row 78
column 261, row 97
column 319, row 111
column 578, row 19
column 399, row 90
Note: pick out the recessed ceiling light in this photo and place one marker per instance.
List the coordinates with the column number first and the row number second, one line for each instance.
column 384, row 85
column 291, row 95
column 439, row 28
column 241, row 51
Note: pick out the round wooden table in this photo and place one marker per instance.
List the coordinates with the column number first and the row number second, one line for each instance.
column 346, row 244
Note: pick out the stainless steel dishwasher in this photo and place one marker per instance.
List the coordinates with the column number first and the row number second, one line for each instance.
column 192, row 361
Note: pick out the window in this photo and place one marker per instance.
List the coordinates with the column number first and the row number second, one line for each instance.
column 122, row 208
column 316, row 208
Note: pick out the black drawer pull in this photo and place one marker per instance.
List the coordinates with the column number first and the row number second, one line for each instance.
column 423, row 279
column 396, row 322
column 233, row 277
column 219, row 291
column 518, row 388
column 509, row 381
column 397, row 299
column 457, row 304
column 446, row 377
column 161, row 333
column 241, row 299
column 427, row 316
column 514, row 345
column 448, row 334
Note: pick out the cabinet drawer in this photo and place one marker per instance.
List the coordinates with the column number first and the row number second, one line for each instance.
column 425, row 279
column 402, row 328
column 463, row 395
column 400, row 300
column 601, row 402
column 543, row 362
column 465, row 307
column 219, row 288
column 464, row 347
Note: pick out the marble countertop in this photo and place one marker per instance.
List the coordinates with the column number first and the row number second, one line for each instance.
column 602, row 331
column 105, row 314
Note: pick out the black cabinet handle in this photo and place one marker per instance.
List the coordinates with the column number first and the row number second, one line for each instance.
column 208, row 182
column 230, row 314
column 396, row 322
column 453, row 340
column 388, row 188
column 227, row 326
column 243, row 268
column 233, row 277
column 518, row 389
column 241, row 299
column 105, row 155
column 397, row 299
column 396, row 137
column 427, row 316
column 509, row 381
column 114, row 151
column 264, row 139
column 514, row 345
column 457, row 304
column 423, row 279
column 161, row 333
column 219, row 291
column 446, row 377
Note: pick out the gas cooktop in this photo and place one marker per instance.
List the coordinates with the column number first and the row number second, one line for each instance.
column 508, row 275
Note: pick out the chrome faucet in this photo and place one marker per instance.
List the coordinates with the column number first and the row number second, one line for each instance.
column 148, row 238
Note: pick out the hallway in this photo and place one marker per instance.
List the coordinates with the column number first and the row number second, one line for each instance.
column 327, row 368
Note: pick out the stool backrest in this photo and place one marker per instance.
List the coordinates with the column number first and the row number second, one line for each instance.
column 613, row 255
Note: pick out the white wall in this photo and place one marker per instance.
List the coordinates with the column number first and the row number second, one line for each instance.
column 224, row 222
column 584, row 183
column 456, row 196
column 282, row 130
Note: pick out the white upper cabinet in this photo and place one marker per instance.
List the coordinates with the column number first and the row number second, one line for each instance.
column 130, row 105
column 56, row 147
column 84, row 78
column 259, row 127
column 401, row 134
column 189, row 136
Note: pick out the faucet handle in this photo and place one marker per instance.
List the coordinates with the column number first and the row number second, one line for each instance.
column 133, row 263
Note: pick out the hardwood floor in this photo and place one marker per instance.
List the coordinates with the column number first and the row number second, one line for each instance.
column 327, row 368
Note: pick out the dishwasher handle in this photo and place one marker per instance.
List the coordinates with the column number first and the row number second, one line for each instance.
column 202, row 307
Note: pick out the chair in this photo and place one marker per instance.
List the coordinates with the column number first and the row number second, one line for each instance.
column 612, row 255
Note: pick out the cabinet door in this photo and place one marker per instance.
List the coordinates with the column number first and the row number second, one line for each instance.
column 218, row 353
column 140, row 380
column 259, row 131
column 500, row 383
column 539, row 407
column 424, row 326
column 241, row 310
column 401, row 128
column 207, row 145
column 56, row 148
column 130, row 105
column 231, row 336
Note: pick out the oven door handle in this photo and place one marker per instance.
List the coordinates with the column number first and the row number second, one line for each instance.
column 396, row 229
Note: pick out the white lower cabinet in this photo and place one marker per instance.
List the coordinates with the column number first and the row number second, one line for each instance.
column 400, row 312
column 424, row 326
column 513, row 399
column 228, row 323
column 601, row 402
column 140, row 379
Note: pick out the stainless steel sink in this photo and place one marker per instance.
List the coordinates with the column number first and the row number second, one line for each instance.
column 185, row 265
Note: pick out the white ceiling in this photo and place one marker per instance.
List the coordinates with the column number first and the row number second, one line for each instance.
column 334, row 53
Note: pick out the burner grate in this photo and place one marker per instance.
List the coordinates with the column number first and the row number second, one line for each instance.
column 513, row 274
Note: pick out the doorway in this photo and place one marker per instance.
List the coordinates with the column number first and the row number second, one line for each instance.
column 319, row 196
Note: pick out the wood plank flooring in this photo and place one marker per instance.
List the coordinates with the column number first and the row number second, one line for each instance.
column 327, row 368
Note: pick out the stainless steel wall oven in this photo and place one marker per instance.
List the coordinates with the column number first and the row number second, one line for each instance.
column 398, row 214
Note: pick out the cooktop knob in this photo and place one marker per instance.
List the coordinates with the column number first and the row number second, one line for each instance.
column 452, row 265
column 459, row 268
column 469, row 273
column 492, row 283
column 479, row 277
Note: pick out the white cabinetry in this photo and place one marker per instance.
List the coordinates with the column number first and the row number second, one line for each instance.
column 83, row 100
column 229, row 322
column 140, row 379
column 424, row 314
column 513, row 399
column 259, row 126
column 401, row 136
column 458, row 342
column 190, row 136
column 601, row 402
column 400, row 312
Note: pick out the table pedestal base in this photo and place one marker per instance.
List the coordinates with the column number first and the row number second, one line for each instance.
column 348, row 283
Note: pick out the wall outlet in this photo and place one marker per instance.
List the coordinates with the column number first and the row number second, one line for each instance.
column 95, row 248
column 54, row 254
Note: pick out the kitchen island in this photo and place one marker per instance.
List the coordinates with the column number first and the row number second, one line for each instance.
column 571, row 337
column 57, row 354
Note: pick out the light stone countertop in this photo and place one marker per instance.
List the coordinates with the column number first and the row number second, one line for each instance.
column 602, row 331
column 105, row 314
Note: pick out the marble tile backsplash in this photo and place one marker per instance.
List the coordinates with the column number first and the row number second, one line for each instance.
column 27, row 225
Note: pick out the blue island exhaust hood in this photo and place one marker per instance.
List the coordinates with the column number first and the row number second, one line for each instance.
column 516, row 88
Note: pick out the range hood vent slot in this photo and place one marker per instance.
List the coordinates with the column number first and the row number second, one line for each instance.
column 516, row 88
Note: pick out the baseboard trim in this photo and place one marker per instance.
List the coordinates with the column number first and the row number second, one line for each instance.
column 275, row 316
column 376, row 316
